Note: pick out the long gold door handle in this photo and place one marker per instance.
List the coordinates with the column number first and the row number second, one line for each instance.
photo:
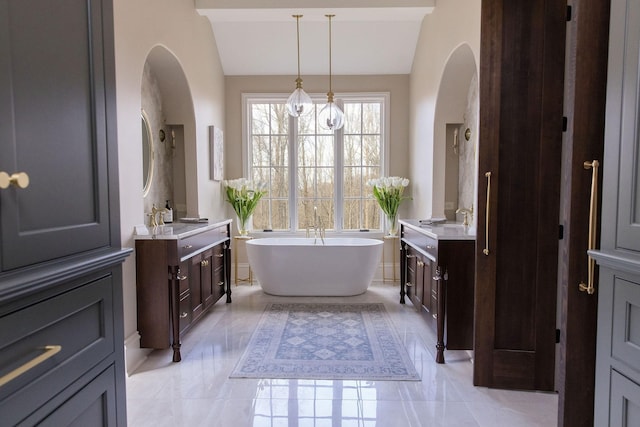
column 20, row 180
column 593, row 216
column 486, row 220
column 50, row 351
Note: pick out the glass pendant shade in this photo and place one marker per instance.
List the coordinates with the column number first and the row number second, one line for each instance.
column 331, row 117
column 299, row 102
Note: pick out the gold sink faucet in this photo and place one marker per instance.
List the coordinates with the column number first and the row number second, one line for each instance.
column 157, row 216
column 466, row 214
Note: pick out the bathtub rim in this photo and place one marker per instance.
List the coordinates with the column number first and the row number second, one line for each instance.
column 309, row 241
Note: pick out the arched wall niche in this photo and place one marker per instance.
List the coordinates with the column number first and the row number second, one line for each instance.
column 166, row 98
column 455, row 157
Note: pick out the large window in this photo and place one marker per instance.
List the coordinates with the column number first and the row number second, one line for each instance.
column 314, row 175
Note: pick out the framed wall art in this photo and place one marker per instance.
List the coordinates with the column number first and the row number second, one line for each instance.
column 216, row 153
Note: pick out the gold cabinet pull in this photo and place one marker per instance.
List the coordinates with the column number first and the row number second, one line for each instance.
column 219, row 255
column 183, row 314
column 486, row 224
column 19, row 179
column 593, row 213
column 49, row 351
column 221, row 283
column 187, row 246
column 409, row 284
column 420, row 263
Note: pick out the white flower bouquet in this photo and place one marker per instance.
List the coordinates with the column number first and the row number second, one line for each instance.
column 244, row 195
column 388, row 192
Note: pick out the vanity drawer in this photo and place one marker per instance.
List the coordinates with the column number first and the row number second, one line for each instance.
column 183, row 277
column 189, row 246
column 421, row 241
column 185, row 310
column 67, row 334
column 218, row 257
column 430, row 246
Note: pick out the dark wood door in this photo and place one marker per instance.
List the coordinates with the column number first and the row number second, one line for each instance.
column 584, row 106
column 520, row 144
column 53, row 105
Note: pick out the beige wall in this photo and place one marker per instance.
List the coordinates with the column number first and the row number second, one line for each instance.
column 396, row 85
column 215, row 100
column 453, row 24
column 175, row 25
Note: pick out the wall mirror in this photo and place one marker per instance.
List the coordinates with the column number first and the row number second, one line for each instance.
column 147, row 155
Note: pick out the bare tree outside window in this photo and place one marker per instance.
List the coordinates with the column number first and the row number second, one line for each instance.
column 330, row 170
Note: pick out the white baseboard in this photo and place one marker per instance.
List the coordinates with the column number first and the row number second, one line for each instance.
column 134, row 356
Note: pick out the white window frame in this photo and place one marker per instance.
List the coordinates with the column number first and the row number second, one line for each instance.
column 382, row 97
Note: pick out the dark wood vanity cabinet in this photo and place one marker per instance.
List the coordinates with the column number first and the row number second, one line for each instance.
column 419, row 284
column 437, row 276
column 178, row 280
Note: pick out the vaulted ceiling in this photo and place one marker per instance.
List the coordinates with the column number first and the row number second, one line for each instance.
column 258, row 37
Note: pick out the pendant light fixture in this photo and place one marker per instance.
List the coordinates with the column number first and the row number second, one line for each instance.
column 331, row 116
column 299, row 103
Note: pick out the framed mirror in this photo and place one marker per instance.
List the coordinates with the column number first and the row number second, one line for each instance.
column 147, row 155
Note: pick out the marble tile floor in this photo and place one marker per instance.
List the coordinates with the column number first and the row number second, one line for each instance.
column 198, row 392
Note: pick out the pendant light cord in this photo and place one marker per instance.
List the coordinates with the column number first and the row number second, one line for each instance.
column 298, row 80
column 330, row 94
column 330, row 16
column 298, row 38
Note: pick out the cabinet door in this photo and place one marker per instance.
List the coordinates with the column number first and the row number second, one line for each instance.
column 195, row 276
column 411, row 275
column 519, row 180
column 54, row 75
column 419, row 284
column 623, row 126
column 206, row 278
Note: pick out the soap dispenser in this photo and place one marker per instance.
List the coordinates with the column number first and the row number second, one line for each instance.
column 168, row 213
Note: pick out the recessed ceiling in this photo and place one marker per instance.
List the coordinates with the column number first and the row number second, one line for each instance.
column 365, row 40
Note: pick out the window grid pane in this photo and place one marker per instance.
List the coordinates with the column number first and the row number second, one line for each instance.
column 269, row 163
column 362, row 161
column 316, row 165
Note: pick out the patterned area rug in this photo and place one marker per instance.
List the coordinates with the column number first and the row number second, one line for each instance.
column 326, row 341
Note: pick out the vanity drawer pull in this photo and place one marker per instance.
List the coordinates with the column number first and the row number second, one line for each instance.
column 204, row 263
column 411, row 256
column 420, row 263
column 221, row 283
column 187, row 246
column 430, row 247
column 435, row 316
column 181, row 278
column 219, row 255
column 50, row 351
column 184, row 314
column 409, row 284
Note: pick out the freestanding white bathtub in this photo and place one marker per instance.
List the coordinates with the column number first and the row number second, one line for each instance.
column 291, row 266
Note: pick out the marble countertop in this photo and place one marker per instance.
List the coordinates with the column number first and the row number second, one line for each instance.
column 176, row 230
column 444, row 231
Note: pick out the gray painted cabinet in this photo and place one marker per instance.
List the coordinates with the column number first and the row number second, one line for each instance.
column 61, row 316
column 617, row 395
